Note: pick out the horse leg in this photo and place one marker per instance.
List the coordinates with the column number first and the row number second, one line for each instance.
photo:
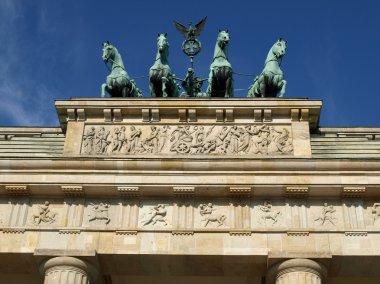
column 283, row 87
column 209, row 87
column 124, row 92
column 262, row 86
column 151, row 89
column 229, row 89
column 104, row 89
column 164, row 83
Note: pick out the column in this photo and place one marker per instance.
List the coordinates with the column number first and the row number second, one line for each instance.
column 297, row 271
column 68, row 270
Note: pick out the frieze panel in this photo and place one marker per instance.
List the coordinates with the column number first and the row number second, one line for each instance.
column 212, row 215
column 155, row 214
column 326, row 215
column 252, row 139
column 268, row 214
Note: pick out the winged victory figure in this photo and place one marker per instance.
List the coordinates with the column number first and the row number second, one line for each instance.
column 191, row 32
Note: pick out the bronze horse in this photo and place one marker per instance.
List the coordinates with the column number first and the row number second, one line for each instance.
column 161, row 80
column 118, row 83
column 220, row 82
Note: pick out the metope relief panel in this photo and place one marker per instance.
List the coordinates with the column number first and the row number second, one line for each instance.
column 268, row 214
column 261, row 140
column 45, row 213
column 326, row 214
column 155, row 214
column 213, row 214
column 104, row 213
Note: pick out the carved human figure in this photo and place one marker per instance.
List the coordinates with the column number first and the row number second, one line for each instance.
column 163, row 137
column 115, row 143
column 208, row 215
column 327, row 214
column 150, row 144
column 99, row 212
column 133, row 140
column 235, row 134
column 279, row 140
column 267, row 213
column 199, row 142
column 122, row 139
column 88, row 140
column 246, row 138
column 156, row 214
column 101, row 141
column 44, row 215
column 376, row 212
column 222, row 141
column 262, row 140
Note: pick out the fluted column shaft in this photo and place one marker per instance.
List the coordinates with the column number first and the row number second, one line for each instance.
column 68, row 270
column 297, row 271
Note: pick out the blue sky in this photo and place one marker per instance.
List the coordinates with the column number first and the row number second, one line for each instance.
column 51, row 49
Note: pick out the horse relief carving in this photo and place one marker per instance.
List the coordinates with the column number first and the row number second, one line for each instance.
column 156, row 215
column 327, row 215
column 207, row 211
column 187, row 139
column 45, row 215
column 267, row 213
column 99, row 212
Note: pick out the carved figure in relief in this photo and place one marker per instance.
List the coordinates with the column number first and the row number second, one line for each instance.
column 267, row 213
column 88, row 140
column 156, row 214
column 122, row 138
column 101, row 141
column 208, row 215
column 150, row 144
column 327, row 215
column 163, row 136
column 115, row 143
column 280, row 140
column 376, row 212
column 222, row 140
column 45, row 215
column 246, row 138
column 235, row 134
column 262, row 140
column 99, row 212
column 133, row 140
column 182, row 138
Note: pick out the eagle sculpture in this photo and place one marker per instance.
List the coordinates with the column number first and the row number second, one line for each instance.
column 191, row 32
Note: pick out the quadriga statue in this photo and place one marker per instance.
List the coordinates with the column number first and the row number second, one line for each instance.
column 220, row 83
column 270, row 81
column 161, row 79
column 118, row 83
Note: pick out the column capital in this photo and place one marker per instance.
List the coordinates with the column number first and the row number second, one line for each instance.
column 303, row 265
column 68, row 263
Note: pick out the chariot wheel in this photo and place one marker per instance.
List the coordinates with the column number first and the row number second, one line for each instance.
column 183, row 148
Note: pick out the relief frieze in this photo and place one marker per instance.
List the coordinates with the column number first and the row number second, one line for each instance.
column 260, row 140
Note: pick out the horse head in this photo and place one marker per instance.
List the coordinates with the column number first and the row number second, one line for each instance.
column 279, row 48
column 162, row 43
column 109, row 51
column 223, row 38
